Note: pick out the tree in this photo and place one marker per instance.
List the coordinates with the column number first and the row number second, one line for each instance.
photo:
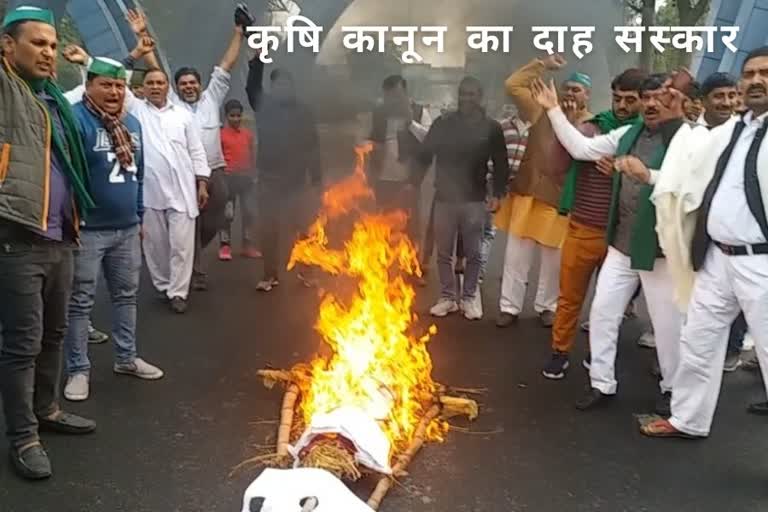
column 644, row 12
column 684, row 13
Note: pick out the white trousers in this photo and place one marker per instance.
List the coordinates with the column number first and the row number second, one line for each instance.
column 616, row 284
column 723, row 287
column 169, row 247
column 517, row 265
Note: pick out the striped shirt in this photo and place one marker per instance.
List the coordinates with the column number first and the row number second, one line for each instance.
column 592, row 200
column 516, row 138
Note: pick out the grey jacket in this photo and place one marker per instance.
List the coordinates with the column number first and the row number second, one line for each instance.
column 25, row 153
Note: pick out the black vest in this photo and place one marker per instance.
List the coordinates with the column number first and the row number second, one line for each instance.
column 701, row 238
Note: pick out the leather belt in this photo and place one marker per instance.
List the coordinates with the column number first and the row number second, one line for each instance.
column 742, row 250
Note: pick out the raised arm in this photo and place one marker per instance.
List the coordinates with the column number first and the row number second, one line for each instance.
column 578, row 145
column 233, row 50
column 518, row 86
column 254, row 86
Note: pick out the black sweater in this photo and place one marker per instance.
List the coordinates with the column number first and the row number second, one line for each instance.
column 462, row 148
column 288, row 146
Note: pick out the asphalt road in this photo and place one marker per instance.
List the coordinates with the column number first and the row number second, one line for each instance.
column 170, row 445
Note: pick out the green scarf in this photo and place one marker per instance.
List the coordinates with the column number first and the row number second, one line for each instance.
column 73, row 162
column 606, row 122
column 643, row 245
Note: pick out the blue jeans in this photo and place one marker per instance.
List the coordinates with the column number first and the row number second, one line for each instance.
column 489, row 235
column 452, row 220
column 118, row 253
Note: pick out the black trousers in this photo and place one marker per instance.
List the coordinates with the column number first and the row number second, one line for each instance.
column 35, row 286
column 284, row 214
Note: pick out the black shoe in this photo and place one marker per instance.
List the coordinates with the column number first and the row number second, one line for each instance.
column 587, row 362
column 506, row 320
column 32, row 463
column 547, row 319
column 67, row 423
column 663, row 405
column 162, row 296
column 200, row 283
column 557, row 366
column 759, row 408
column 178, row 305
column 593, row 399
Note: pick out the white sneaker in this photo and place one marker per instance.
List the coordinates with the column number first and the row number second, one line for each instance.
column 139, row 368
column 647, row 340
column 77, row 388
column 585, row 326
column 444, row 307
column 473, row 309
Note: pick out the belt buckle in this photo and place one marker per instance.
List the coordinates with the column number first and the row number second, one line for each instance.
column 727, row 249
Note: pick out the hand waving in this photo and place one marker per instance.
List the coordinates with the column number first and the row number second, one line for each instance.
column 544, row 94
column 138, row 21
column 555, row 62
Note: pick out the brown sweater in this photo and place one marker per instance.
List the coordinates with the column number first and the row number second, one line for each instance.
column 539, row 171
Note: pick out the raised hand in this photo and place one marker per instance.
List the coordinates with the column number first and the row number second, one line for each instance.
column 544, row 94
column 138, row 21
column 555, row 62
column 145, row 45
column 75, row 55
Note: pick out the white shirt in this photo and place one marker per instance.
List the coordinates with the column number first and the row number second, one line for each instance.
column 589, row 149
column 730, row 219
column 207, row 114
column 174, row 156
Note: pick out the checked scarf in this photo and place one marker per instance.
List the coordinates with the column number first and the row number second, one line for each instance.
column 118, row 133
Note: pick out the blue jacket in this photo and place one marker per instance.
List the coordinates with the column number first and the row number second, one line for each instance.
column 118, row 192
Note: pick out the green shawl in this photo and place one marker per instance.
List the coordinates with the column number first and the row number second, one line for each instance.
column 643, row 245
column 73, row 162
column 606, row 122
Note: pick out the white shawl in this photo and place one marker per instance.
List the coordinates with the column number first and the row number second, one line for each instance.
column 688, row 168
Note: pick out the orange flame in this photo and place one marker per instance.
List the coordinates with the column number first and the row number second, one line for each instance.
column 376, row 362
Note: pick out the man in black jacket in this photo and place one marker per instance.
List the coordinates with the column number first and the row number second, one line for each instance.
column 288, row 153
column 462, row 143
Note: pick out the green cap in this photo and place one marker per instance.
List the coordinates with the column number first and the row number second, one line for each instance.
column 581, row 78
column 29, row 13
column 102, row 66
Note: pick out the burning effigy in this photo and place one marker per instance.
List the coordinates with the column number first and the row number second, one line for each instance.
column 368, row 405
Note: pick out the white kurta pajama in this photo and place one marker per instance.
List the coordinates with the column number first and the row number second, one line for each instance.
column 725, row 284
column 617, row 281
column 174, row 160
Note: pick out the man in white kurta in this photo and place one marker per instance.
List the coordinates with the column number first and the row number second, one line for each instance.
column 175, row 187
column 630, row 260
column 204, row 105
column 719, row 213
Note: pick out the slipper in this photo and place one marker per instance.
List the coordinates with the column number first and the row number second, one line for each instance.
column 663, row 428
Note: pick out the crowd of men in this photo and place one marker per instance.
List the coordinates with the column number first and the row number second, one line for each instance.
column 664, row 194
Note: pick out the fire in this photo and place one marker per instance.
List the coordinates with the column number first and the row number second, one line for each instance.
column 376, row 362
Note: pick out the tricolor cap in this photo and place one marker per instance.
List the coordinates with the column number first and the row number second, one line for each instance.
column 29, row 13
column 581, row 78
column 103, row 66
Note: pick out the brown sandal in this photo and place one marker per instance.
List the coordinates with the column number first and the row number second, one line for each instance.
column 664, row 429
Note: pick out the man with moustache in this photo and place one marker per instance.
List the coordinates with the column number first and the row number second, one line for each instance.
column 461, row 144
column 532, row 207
column 726, row 191
column 205, row 107
column 110, row 237
column 587, row 198
column 633, row 254
column 43, row 195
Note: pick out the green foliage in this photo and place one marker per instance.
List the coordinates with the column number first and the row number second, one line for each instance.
column 678, row 13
